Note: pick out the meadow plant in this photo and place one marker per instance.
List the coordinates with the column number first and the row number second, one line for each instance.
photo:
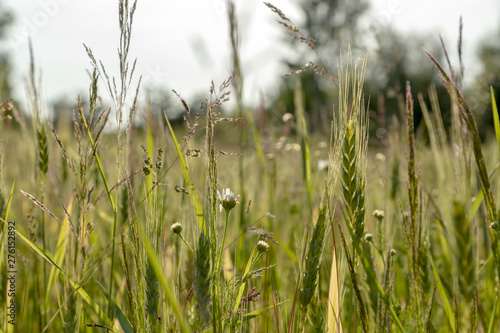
column 190, row 259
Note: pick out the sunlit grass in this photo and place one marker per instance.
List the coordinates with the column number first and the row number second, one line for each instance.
column 160, row 229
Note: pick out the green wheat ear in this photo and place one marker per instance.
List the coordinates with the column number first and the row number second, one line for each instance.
column 43, row 150
column 71, row 315
column 316, row 316
column 353, row 126
column 353, row 182
column 202, row 279
column 465, row 247
column 310, row 277
column 152, row 294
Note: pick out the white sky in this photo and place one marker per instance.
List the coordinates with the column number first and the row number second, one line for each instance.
column 183, row 45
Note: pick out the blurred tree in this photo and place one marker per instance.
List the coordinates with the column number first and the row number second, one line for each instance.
column 334, row 26
column 395, row 59
column 6, row 20
column 489, row 76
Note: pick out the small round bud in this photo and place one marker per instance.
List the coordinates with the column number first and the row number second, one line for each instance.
column 379, row 214
column 262, row 246
column 229, row 202
column 176, row 228
column 287, row 117
column 494, row 226
column 380, row 157
column 368, row 237
column 393, row 252
column 227, row 199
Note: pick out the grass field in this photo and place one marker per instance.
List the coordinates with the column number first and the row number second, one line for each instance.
column 224, row 225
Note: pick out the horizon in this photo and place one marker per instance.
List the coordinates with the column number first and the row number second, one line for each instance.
column 200, row 41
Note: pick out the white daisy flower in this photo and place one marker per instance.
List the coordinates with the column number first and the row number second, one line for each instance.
column 227, row 200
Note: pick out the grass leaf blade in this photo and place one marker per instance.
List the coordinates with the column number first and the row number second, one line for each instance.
column 61, row 245
column 446, row 303
column 496, row 121
column 86, row 297
column 192, row 194
column 122, row 319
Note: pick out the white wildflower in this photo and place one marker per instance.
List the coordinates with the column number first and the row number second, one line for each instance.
column 176, row 228
column 227, row 200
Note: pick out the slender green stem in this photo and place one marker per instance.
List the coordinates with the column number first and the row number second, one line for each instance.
column 185, row 242
column 251, row 261
column 221, row 254
column 113, row 206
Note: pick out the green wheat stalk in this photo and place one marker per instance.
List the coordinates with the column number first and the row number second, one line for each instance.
column 468, row 118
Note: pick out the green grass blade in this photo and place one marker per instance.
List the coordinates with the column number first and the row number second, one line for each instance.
column 86, row 297
column 304, row 140
column 256, row 313
column 122, row 319
column 475, row 205
column 372, row 278
column 479, row 198
column 162, row 279
column 149, row 178
column 446, row 303
column 493, row 316
column 243, row 283
column 192, row 194
column 7, row 208
column 249, row 316
column 4, row 219
column 98, row 160
column 496, row 121
column 61, row 245
column 485, row 265
column 256, row 138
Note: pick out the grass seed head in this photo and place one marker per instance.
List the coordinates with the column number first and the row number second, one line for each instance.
column 176, row 228
column 262, row 246
column 379, row 214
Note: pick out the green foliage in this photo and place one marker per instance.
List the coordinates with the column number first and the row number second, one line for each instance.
column 426, row 263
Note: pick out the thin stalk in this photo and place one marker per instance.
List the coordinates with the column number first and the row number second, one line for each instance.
column 221, row 254
column 185, row 242
column 251, row 261
column 113, row 207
